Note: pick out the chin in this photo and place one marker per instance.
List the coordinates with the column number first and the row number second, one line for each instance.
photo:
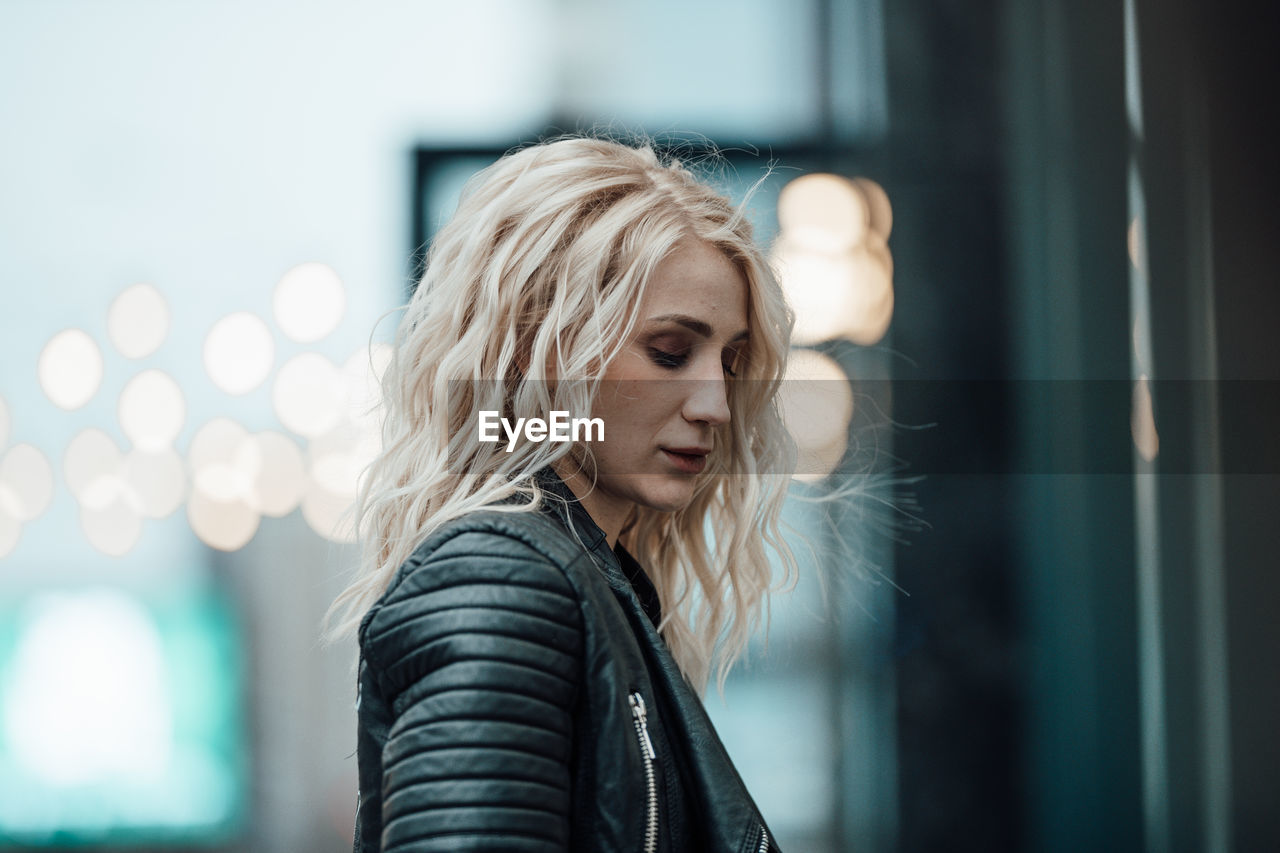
column 670, row 496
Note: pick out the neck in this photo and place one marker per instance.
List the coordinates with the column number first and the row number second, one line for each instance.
column 609, row 513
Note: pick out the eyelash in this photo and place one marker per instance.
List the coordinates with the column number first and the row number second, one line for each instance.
column 675, row 361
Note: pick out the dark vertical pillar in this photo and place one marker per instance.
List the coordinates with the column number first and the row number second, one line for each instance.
column 1242, row 78
column 957, row 637
column 1066, row 226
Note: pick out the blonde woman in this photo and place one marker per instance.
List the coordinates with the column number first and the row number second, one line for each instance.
column 537, row 618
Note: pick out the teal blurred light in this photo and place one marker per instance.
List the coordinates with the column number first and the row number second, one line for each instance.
column 120, row 718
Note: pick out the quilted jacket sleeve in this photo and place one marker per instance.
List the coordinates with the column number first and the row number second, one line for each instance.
column 478, row 654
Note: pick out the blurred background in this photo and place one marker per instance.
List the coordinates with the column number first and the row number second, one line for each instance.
column 1035, row 239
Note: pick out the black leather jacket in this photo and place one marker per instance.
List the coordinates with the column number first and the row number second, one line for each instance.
column 515, row 696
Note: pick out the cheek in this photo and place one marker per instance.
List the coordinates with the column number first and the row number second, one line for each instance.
column 640, row 403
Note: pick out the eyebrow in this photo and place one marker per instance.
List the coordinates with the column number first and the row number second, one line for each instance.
column 695, row 325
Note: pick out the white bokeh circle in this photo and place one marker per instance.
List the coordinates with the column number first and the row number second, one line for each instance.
column 225, row 525
column 329, row 514
column 156, row 481
column 70, row 368
column 309, row 395
column 874, row 299
column 282, row 476
column 92, row 468
column 820, row 287
column 816, row 400
column 338, row 474
column 879, row 209
column 152, row 410
column 224, row 461
column 239, row 352
column 815, row 465
column 309, row 302
column 138, row 321
column 823, row 212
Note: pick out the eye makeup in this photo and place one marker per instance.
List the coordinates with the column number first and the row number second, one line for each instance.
column 671, row 351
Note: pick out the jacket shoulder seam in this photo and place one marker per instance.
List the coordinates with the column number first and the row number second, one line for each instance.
column 502, row 525
column 497, row 525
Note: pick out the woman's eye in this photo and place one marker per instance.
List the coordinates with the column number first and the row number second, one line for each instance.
column 669, row 360
column 728, row 368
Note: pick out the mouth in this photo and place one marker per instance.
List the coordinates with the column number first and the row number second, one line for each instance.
column 690, row 460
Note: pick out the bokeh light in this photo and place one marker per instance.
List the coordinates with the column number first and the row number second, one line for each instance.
column 816, row 399
column 152, row 410
column 225, row 525
column 92, row 468
column 817, row 406
column 26, row 482
column 219, row 440
column 873, row 300
column 1142, row 420
column 87, row 691
column 281, row 477
column 156, row 481
column 822, row 212
column 70, row 369
column 820, row 287
column 138, row 321
column 878, row 250
column 336, row 463
column 239, row 352
column 338, row 458
column 328, row 513
column 813, row 466
column 338, row 473
column 310, row 395
column 116, row 491
column 879, row 210
column 223, row 460
column 309, row 302
column 832, row 258
column 1135, row 242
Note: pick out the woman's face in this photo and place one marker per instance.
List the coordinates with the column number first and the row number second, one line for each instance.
column 663, row 399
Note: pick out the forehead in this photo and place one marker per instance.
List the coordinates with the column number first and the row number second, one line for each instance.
column 698, row 279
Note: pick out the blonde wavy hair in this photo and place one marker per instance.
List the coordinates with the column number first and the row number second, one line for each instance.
column 540, row 274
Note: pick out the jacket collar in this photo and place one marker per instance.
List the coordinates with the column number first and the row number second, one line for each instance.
column 565, row 504
column 618, row 562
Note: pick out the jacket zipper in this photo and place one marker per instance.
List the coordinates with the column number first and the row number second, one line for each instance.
column 764, row 840
column 640, row 716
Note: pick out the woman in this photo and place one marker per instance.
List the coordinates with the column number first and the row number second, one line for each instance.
column 537, row 618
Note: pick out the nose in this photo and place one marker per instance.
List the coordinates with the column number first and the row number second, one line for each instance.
column 707, row 399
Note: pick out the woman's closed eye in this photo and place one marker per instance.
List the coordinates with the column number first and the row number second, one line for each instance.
column 669, row 360
column 676, row 360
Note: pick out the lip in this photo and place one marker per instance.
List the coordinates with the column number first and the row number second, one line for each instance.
column 690, row 460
